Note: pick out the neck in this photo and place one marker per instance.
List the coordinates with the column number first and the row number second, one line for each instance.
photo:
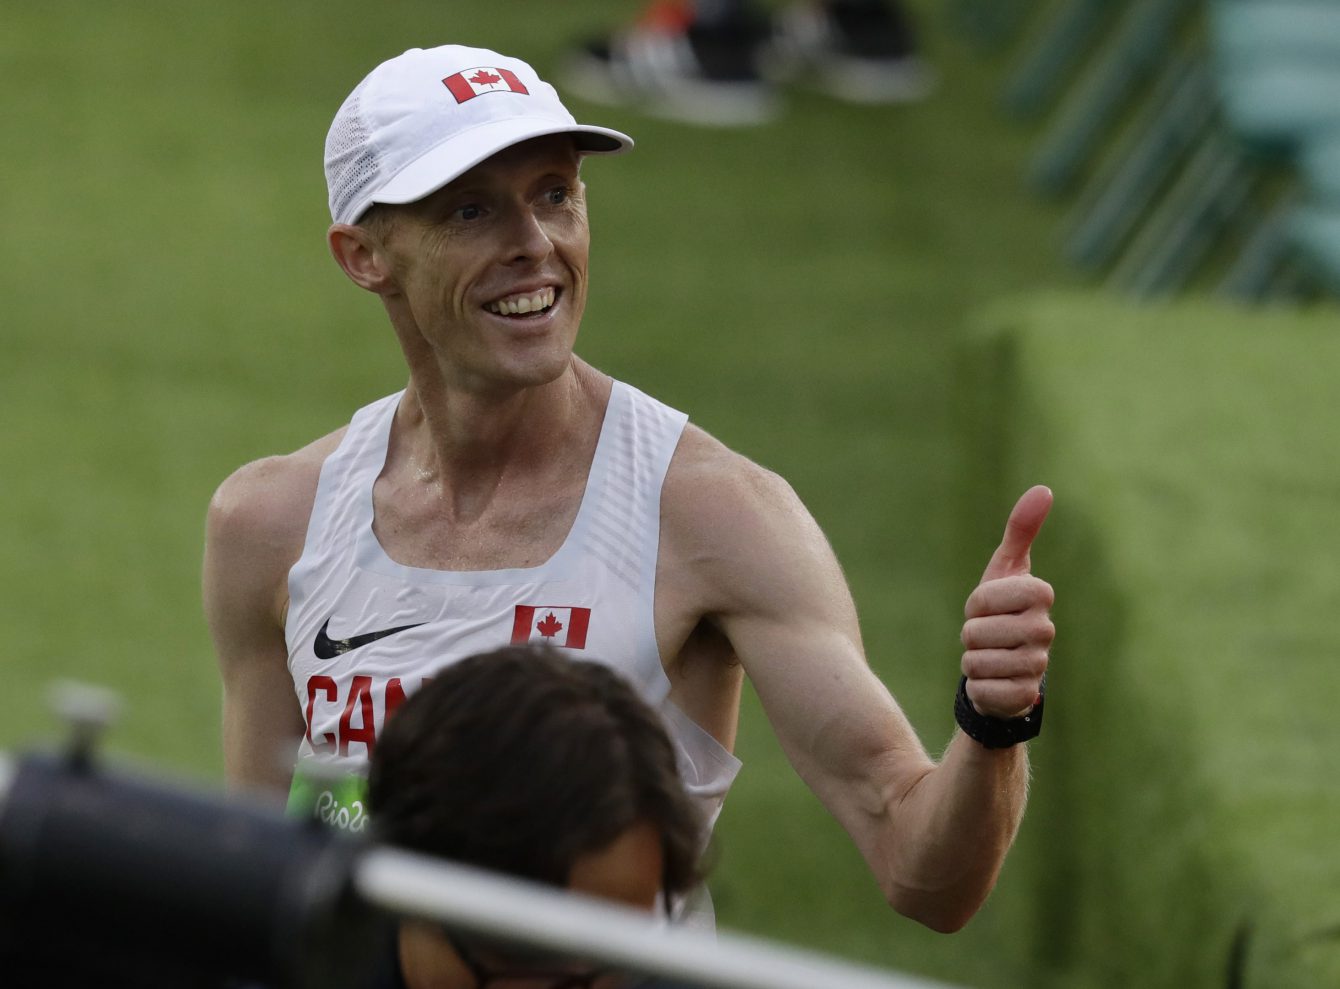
column 467, row 444
column 460, row 427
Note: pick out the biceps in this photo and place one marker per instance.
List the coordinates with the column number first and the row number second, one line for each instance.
column 262, row 722
column 779, row 594
column 261, row 717
column 839, row 725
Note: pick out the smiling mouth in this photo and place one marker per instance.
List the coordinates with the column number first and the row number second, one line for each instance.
column 528, row 304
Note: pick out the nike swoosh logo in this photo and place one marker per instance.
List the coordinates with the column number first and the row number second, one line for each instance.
column 327, row 648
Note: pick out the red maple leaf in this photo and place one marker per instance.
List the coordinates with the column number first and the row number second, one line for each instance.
column 550, row 627
column 485, row 78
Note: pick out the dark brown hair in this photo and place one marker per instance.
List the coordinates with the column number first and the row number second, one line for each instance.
column 522, row 760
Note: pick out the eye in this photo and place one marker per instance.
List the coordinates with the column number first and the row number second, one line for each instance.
column 469, row 211
column 557, row 196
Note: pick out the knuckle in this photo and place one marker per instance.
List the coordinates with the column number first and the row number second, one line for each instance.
column 1045, row 592
column 1042, row 631
column 1000, row 699
column 976, row 665
column 1021, row 698
column 976, row 605
column 971, row 635
column 980, row 696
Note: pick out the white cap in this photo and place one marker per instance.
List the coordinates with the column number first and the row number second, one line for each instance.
column 422, row 118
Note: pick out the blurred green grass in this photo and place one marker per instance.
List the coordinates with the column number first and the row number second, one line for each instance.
column 170, row 312
column 1182, row 827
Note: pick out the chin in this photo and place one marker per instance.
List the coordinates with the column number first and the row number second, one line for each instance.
column 536, row 371
column 544, row 363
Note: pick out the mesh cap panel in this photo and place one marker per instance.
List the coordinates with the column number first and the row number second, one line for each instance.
column 351, row 166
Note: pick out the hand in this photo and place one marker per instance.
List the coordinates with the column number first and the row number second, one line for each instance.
column 1009, row 631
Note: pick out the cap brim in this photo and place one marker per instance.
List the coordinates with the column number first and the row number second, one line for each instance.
column 457, row 155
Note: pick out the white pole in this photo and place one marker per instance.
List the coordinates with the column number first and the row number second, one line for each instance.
column 7, row 771
column 485, row 903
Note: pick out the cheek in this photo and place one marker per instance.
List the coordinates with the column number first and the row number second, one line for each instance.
column 576, row 253
column 440, row 278
column 433, row 258
column 575, row 236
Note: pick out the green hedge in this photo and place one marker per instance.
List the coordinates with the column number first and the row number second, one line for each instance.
column 1186, row 802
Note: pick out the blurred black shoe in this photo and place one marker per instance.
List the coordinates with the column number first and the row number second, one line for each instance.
column 672, row 65
column 860, row 51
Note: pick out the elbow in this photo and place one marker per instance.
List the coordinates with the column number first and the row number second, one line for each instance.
column 943, row 911
column 946, row 921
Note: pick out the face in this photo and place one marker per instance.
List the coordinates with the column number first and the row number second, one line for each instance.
column 628, row 871
column 491, row 270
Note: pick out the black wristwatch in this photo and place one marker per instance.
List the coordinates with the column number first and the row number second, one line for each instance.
column 997, row 733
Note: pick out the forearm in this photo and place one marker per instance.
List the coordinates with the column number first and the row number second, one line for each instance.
column 949, row 832
column 953, row 828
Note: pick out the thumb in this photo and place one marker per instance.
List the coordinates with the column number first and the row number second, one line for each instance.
column 1011, row 556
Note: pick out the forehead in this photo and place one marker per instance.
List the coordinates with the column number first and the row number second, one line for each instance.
column 629, row 870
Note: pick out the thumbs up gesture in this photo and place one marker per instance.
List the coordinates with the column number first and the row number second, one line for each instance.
column 1008, row 630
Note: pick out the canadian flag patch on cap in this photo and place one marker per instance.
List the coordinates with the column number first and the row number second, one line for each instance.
column 484, row 79
column 564, row 627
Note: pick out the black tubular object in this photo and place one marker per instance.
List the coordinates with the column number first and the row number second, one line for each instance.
column 106, row 880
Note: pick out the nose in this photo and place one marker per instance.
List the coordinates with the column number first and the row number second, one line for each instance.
column 528, row 239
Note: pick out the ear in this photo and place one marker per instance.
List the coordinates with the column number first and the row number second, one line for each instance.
column 359, row 254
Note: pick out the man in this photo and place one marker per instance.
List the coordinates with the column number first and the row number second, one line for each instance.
column 552, row 770
column 513, row 492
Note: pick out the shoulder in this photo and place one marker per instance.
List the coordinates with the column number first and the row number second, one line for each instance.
column 734, row 525
column 258, row 516
column 710, row 483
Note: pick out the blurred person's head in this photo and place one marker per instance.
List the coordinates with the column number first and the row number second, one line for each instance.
column 537, row 766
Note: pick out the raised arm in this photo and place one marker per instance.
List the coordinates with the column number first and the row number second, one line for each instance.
column 254, row 532
column 976, row 794
column 933, row 834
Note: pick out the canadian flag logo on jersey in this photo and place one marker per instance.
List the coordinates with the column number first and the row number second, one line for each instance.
column 475, row 82
column 564, row 627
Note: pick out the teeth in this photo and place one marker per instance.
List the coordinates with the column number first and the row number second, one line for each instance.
column 516, row 305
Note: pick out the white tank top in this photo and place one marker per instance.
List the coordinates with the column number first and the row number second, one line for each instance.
column 364, row 631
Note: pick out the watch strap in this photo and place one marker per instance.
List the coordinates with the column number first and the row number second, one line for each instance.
column 997, row 733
